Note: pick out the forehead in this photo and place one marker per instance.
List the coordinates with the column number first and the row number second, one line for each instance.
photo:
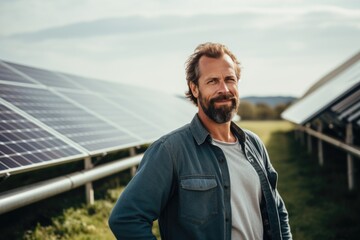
column 208, row 65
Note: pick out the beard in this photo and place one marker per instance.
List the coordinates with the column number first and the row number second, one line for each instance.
column 220, row 114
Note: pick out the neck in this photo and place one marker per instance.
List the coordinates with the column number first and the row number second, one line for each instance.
column 218, row 131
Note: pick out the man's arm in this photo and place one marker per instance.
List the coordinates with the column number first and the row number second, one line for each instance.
column 144, row 197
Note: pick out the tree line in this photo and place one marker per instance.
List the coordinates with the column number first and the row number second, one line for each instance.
column 261, row 111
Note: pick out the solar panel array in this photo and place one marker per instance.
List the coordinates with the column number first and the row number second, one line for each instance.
column 339, row 97
column 50, row 117
column 348, row 109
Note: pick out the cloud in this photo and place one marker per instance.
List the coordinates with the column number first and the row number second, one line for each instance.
column 248, row 19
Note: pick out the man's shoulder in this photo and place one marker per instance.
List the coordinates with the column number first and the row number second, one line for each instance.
column 176, row 135
column 251, row 134
column 254, row 138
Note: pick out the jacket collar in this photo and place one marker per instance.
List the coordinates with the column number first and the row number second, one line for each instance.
column 200, row 133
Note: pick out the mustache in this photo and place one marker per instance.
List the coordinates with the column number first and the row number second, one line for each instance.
column 228, row 96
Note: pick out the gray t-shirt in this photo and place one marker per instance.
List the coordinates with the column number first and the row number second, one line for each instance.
column 245, row 193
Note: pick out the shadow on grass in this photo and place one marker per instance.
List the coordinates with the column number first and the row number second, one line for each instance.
column 319, row 204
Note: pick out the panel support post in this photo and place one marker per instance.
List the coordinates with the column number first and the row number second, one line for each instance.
column 89, row 190
column 302, row 136
column 309, row 143
column 320, row 146
column 297, row 132
column 350, row 158
column 132, row 169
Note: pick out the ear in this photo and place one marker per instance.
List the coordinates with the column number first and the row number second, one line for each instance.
column 194, row 89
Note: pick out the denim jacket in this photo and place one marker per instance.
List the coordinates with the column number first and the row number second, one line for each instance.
column 183, row 181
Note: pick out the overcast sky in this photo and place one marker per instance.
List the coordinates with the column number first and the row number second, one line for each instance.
column 284, row 46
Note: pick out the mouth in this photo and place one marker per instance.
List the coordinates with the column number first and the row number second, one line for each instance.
column 223, row 101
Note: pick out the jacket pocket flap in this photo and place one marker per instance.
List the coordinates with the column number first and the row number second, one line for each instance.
column 198, row 184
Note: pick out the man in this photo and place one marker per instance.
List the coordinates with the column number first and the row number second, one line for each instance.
column 209, row 179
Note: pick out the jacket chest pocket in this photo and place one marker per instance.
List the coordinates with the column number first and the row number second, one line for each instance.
column 198, row 198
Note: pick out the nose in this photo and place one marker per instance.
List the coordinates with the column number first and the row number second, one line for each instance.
column 223, row 87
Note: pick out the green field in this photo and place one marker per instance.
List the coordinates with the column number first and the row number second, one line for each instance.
column 319, row 205
column 265, row 129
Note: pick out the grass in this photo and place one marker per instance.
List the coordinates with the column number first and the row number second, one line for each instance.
column 264, row 129
column 88, row 222
column 85, row 222
column 319, row 205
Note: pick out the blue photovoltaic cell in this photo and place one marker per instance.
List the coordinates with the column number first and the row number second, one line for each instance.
column 123, row 117
column 83, row 128
column 9, row 75
column 26, row 145
column 45, row 77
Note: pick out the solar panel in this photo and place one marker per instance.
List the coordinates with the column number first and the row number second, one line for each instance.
column 49, row 117
column 346, row 102
column 119, row 115
column 325, row 96
column 25, row 145
column 91, row 84
column 45, row 77
column 10, row 75
column 350, row 111
column 87, row 130
column 105, row 87
column 155, row 107
column 355, row 115
column 158, row 107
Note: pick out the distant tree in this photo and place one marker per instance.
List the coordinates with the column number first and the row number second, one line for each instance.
column 264, row 112
column 278, row 109
column 247, row 110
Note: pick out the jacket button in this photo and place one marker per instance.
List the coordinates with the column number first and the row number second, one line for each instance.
column 221, row 159
column 226, row 186
column 226, row 219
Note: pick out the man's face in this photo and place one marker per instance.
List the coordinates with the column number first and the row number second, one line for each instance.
column 217, row 90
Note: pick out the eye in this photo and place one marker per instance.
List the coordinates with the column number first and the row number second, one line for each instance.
column 211, row 81
column 231, row 80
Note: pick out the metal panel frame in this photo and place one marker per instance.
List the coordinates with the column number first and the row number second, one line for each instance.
column 26, row 195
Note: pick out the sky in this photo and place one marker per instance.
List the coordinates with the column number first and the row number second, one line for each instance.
column 284, row 46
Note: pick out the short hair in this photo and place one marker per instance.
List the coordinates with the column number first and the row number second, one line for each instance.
column 212, row 50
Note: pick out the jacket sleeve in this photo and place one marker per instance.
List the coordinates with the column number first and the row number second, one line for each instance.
column 144, row 197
